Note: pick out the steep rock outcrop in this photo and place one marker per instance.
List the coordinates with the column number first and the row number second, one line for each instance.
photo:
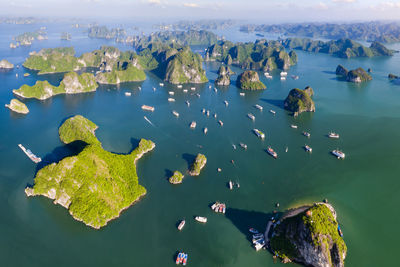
column 249, row 80
column 299, row 101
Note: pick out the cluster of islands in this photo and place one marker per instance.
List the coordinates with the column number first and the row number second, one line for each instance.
column 95, row 185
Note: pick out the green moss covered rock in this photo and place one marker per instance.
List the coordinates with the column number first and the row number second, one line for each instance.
column 95, row 185
column 184, row 66
column 72, row 83
column 17, row 106
column 130, row 74
column 299, row 101
column 176, row 178
column 358, row 75
column 224, row 76
column 309, row 235
column 197, row 165
column 249, row 80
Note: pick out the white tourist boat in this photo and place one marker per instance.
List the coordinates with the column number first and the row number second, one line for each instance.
column 293, row 126
column 185, row 90
column 201, row 219
column 272, row 152
column 193, row 124
column 243, row 145
column 307, row 134
column 308, row 148
column 226, row 103
column 208, row 113
column 221, row 123
column 179, row 86
column 257, row 106
column 242, row 94
column 272, row 111
column 193, row 88
column 187, row 103
column 203, row 110
column 171, row 99
column 333, row 135
column 230, row 185
column 128, row 93
column 205, row 130
column 171, row 93
column 283, row 73
column 148, row 108
column 283, row 78
column 339, row 154
column 251, row 116
column 181, row 225
column 161, row 84
column 259, row 133
column 176, row 114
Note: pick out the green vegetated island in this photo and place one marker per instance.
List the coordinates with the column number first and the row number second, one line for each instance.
column 385, row 32
column 203, row 24
column 249, row 80
column 176, row 178
column 356, row 76
column 197, row 165
column 72, row 83
column 260, row 55
column 299, row 101
column 344, row 47
column 17, row 106
column 308, row 235
column 26, row 38
column 174, row 64
column 95, row 185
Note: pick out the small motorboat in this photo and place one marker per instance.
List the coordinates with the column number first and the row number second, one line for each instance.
column 244, row 146
column 307, row 134
column 181, row 225
column 308, row 148
column 333, row 135
column 272, row 152
column 230, row 185
column 339, row 154
column 201, row 219
column 293, row 126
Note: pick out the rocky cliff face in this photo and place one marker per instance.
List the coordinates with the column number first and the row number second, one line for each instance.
column 356, row 76
column 309, row 235
column 299, row 101
column 224, row 78
column 249, row 80
column 74, row 83
column 5, row 64
column 342, row 71
column 184, row 66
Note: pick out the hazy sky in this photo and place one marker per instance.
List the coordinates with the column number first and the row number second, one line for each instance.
column 262, row 10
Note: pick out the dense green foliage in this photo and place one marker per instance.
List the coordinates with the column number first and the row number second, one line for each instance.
column 180, row 38
column 130, row 74
column 17, row 106
column 249, row 80
column 345, row 48
column 96, row 185
column 261, row 55
column 176, row 178
column 316, row 226
column 52, row 60
column 72, row 83
column 358, row 75
column 198, row 164
column 300, row 100
column 367, row 31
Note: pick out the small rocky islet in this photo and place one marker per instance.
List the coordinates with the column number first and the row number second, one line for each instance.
column 17, row 106
column 249, row 80
column 299, row 101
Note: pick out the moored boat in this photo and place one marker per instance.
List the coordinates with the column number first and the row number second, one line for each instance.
column 171, row 93
column 205, row 130
column 308, row 148
column 148, row 108
column 179, row 86
column 181, row 225
column 161, row 84
column 171, row 99
column 259, row 133
column 307, row 134
column 257, row 106
column 193, row 124
column 221, row 123
column 187, row 103
column 242, row 94
column 283, row 73
column 176, row 114
column 243, row 145
column 201, row 219
column 226, row 103
column 272, row 111
column 128, row 93
column 293, row 126
column 283, row 78
column 230, row 185
column 272, row 152
column 251, row 116
column 333, row 135
column 339, row 154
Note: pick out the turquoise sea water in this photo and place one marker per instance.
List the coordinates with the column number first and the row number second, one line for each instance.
column 364, row 188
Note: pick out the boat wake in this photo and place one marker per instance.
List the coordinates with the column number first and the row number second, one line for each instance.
column 149, row 121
